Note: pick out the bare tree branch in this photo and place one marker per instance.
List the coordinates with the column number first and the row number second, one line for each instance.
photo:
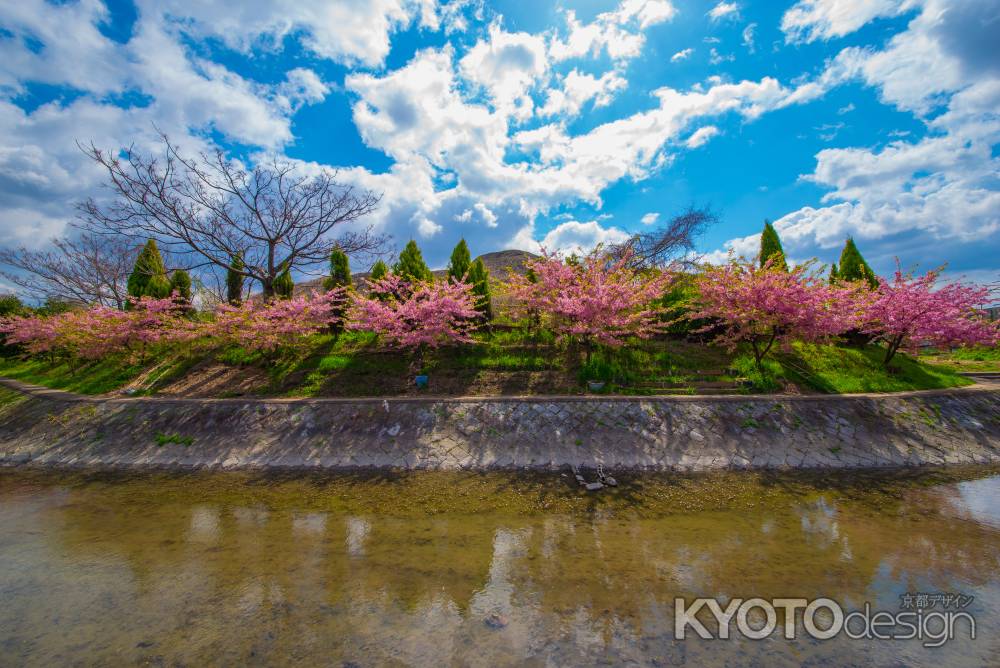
column 669, row 244
column 88, row 269
column 211, row 208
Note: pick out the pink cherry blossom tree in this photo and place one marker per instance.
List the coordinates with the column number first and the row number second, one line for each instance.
column 100, row 331
column 911, row 311
column 598, row 299
column 764, row 306
column 416, row 316
column 277, row 326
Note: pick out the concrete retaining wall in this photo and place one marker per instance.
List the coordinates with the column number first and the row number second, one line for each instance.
column 51, row 428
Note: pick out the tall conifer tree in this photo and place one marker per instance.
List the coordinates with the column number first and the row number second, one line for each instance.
column 770, row 247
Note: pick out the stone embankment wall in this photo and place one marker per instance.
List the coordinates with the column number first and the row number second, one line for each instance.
column 51, row 428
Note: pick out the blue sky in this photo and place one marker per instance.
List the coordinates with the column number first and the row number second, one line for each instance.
column 527, row 124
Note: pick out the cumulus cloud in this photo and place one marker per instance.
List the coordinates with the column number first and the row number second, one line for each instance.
column 649, row 218
column 347, row 31
column 578, row 89
column 811, row 20
column 922, row 199
column 683, row 54
column 507, row 65
column 575, row 237
column 701, row 136
column 619, row 33
column 724, row 10
column 61, row 45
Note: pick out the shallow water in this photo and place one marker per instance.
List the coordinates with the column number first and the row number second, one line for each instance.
column 466, row 569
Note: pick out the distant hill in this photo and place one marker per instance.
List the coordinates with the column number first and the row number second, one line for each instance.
column 499, row 264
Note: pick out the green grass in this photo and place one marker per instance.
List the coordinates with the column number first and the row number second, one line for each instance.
column 91, row 378
column 965, row 359
column 166, row 439
column 841, row 369
column 510, row 362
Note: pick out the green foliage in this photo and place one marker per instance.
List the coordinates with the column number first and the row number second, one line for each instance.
column 54, row 307
column 460, row 263
column 340, row 271
column 411, row 265
column 149, row 276
column 764, row 378
column 340, row 277
column 379, row 271
column 676, row 303
column 234, row 280
column 770, row 247
column 479, row 277
column 10, row 305
column 166, row 439
column 283, row 285
column 853, row 266
column 180, row 283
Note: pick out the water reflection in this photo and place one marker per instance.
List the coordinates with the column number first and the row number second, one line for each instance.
column 192, row 570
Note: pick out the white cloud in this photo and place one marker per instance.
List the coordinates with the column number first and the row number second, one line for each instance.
column 748, row 37
column 41, row 169
column 701, row 136
column 809, row 20
column 724, row 10
column 578, row 89
column 346, row 31
column 683, row 54
column 507, row 66
column 921, row 199
column 576, row 237
column 618, row 32
column 714, row 57
column 649, row 218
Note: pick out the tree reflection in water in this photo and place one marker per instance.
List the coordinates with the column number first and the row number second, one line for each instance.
column 435, row 568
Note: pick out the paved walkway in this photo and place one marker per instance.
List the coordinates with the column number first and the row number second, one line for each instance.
column 53, row 428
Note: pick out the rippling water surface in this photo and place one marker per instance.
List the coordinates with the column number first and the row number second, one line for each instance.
column 464, row 569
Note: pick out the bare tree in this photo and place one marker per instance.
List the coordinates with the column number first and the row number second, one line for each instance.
column 211, row 208
column 87, row 269
column 671, row 243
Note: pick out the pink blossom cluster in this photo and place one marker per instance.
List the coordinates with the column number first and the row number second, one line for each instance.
column 913, row 311
column 277, row 324
column 417, row 315
column 597, row 299
column 764, row 306
column 99, row 331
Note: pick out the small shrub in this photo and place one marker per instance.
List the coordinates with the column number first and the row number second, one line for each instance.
column 166, row 439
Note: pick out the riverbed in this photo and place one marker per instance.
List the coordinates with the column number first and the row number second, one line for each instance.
column 461, row 568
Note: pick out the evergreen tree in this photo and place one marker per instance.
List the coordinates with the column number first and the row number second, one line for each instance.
column 340, row 271
column 411, row 265
column 479, row 278
column 283, row 285
column 853, row 266
column 149, row 276
column 379, row 271
column 460, row 262
column 234, row 280
column 770, row 247
column 833, row 273
column 180, row 283
column 340, row 277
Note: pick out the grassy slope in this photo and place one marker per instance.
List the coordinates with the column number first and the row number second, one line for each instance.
column 966, row 359
column 505, row 363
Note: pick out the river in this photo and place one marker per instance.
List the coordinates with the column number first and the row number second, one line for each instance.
column 491, row 569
